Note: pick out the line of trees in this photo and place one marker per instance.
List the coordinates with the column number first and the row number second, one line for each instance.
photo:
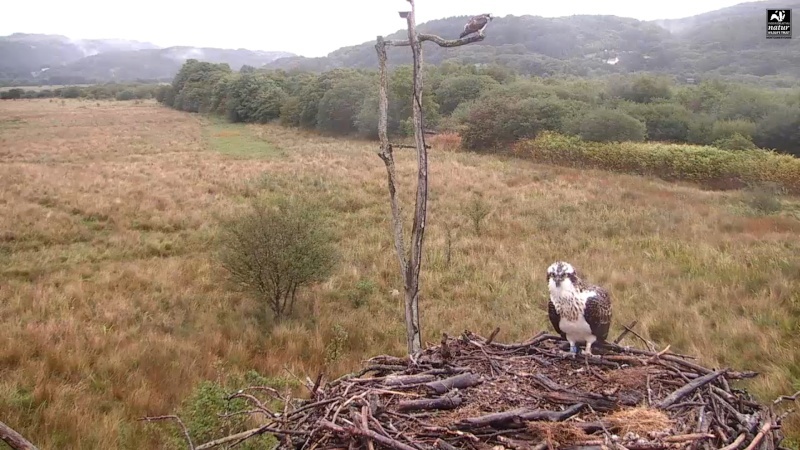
column 492, row 107
column 108, row 91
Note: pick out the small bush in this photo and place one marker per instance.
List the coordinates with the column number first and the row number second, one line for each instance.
column 701, row 164
column 448, row 142
column 125, row 95
column 360, row 294
column 609, row 125
column 763, row 198
column 735, row 142
column 476, row 211
column 336, row 345
column 272, row 251
column 725, row 129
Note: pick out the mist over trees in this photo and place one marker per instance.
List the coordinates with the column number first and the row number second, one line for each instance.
column 490, row 106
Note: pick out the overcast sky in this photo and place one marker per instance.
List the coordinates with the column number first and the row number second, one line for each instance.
column 305, row 27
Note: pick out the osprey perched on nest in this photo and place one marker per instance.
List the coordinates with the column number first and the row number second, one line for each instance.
column 476, row 24
column 579, row 312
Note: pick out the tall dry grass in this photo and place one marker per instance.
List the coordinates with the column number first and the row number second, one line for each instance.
column 112, row 307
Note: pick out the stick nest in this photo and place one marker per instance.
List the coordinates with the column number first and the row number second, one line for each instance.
column 472, row 393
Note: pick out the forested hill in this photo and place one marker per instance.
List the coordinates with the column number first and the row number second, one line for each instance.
column 727, row 42
column 53, row 59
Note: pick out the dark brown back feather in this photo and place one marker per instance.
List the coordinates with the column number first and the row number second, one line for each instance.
column 598, row 312
column 554, row 318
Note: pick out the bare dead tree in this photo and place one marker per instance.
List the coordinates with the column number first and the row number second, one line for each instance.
column 410, row 263
column 14, row 439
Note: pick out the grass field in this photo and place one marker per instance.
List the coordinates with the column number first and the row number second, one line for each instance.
column 113, row 308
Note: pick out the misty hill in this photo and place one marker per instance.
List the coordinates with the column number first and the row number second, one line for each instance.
column 730, row 41
column 21, row 54
column 156, row 65
column 53, row 59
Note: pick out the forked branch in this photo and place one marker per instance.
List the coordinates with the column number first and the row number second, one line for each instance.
column 409, row 263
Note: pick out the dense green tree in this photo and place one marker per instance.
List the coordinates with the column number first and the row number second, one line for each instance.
column 254, row 97
column 780, row 129
column 610, row 125
column 455, row 90
column 664, row 121
column 724, row 129
column 340, row 105
column 640, row 89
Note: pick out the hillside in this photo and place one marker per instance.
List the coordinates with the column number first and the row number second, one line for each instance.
column 160, row 64
column 53, row 59
column 23, row 54
column 727, row 42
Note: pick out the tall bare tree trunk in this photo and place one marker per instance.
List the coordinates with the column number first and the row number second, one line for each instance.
column 421, row 212
column 409, row 264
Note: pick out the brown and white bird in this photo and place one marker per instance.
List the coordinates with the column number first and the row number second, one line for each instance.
column 579, row 312
column 476, row 24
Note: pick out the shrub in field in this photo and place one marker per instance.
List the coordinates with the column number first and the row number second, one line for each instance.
column 448, row 142
column 495, row 122
column 609, row 125
column 701, row 164
column 725, row 129
column 208, row 413
column 273, row 250
column 735, row 142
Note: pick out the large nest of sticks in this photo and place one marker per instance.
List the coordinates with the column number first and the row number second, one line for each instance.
column 473, row 393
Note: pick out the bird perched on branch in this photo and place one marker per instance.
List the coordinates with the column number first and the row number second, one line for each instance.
column 579, row 312
column 476, row 24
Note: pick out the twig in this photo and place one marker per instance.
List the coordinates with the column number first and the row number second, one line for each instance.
column 389, row 442
column 180, row 422
column 787, row 398
column 688, row 388
column 492, row 336
column 625, row 332
column 764, row 429
column 735, row 444
column 461, row 381
column 519, row 414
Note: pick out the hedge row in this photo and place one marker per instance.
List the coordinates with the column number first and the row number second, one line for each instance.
column 706, row 165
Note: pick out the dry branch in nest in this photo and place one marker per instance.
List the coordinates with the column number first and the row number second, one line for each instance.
column 470, row 393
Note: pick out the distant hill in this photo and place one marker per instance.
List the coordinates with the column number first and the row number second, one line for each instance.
column 729, row 41
column 157, row 65
column 53, row 59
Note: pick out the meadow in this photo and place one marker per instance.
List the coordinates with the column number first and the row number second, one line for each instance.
column 113, row 306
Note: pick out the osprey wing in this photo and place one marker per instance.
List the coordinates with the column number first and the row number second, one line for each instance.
column 598, row 311
column 554, row 318
column 474, row 24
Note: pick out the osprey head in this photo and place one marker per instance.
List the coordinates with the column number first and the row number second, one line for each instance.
column 562, row 274
column 489, row 16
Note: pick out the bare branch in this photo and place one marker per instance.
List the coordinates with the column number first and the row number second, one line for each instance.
column 180, row 422
column 441, row 42
column 388, row 159
column 787, row 398
column 14, row 439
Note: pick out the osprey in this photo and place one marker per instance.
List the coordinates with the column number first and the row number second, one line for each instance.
column 578, row 312
column 476, row 24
